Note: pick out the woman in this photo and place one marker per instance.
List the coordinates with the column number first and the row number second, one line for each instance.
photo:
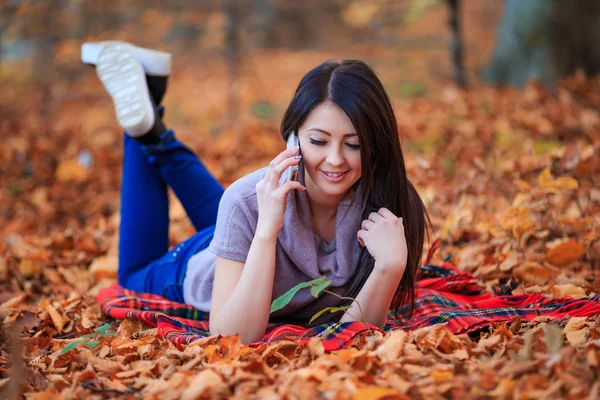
column 352, row 215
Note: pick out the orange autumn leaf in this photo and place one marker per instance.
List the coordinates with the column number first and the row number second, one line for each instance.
column 555, row 185
column 568, row 289
column 57, row 319
column 517, row 220
column 375, row 393
column 535, row 273
column 440, row 376
column 71, row 171
column 29, row 268
column 565, row 253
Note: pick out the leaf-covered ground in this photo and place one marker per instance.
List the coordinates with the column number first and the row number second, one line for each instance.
column 509, row 178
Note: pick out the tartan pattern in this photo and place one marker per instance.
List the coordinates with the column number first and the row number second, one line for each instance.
column 452, row 298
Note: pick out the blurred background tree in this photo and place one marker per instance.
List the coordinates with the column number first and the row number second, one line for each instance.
column 546, row 40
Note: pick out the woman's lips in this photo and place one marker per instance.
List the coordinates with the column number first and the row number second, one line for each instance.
column 333, row 178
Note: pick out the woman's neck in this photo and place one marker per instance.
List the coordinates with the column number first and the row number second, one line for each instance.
column 322, row 211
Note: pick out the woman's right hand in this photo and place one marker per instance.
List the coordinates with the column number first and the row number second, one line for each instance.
column 271, row 197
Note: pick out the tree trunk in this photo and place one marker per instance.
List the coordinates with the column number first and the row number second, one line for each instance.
column 546, row 40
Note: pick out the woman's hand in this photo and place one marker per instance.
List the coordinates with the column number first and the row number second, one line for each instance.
column 383, row 235
column 271, row 197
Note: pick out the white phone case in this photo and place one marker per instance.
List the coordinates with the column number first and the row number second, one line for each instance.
column 291, row 174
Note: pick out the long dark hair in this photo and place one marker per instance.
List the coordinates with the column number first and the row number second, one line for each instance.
column 353, row 86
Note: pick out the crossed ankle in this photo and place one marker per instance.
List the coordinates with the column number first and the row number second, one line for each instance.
column 154, row 134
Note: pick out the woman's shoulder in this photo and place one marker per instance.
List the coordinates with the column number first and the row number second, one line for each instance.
column 244, row 187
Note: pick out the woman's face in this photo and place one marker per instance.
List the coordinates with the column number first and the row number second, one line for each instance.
column 329, row 146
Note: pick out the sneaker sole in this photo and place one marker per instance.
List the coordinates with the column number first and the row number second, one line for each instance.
column 155, row 63
column 124, row 79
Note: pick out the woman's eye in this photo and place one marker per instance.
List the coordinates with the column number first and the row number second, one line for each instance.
column 321, row 142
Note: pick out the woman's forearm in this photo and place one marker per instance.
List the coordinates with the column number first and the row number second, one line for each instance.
column 246, row 311
column 375, row 297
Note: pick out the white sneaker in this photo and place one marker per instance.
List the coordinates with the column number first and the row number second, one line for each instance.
column 154, row 62
column 123, row 77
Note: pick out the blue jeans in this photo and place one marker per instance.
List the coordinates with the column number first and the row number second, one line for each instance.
column 145, row 262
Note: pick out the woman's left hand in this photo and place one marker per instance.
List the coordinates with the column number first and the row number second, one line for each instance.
column 383, row 235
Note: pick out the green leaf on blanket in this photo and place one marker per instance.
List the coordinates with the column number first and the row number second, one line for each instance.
column 285, row 298
column 330, row 309
column 318, row 285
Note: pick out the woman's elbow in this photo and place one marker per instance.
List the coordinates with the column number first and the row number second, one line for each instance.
column 247, row 334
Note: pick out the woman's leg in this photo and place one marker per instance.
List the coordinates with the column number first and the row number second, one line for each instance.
column 196, row 188
column 144, row 228
column 144, row 263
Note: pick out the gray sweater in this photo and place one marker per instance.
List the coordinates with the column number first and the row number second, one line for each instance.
column 301, row 255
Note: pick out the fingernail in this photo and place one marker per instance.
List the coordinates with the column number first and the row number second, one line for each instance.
column 297, row 157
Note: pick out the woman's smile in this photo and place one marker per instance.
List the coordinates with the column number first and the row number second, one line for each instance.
column 334, row 176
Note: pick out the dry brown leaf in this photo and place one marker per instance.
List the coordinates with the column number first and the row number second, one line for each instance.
column 104, row 365
column 146, row 351
column 13, row 302
column 391, row 347
column 28, row 268
column 577, row 338
column 509, row 262
column 345, row 355
column 206, row 383
column 568, row 289
column 315, row 345
column 565, row 252
column 71, row 171
column 57, row 319
column 556, row 185
column 375, row 393
column 535, row 273
column 504, row 388
column 104, row 267
column 441, row 375
column 576, row 331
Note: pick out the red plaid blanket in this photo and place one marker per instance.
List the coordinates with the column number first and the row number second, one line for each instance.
column 443, row 295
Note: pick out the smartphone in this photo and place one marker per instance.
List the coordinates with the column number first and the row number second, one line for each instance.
column 291, row 174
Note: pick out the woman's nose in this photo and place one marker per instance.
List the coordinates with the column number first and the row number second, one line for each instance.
column 335, row 157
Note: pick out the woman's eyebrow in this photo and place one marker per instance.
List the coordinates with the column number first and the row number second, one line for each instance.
column 329, row 134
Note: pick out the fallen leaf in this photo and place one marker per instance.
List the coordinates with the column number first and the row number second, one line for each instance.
column 206, row 383
column 535, row 273
column 391, row 347
column 568, row 289
column 441, row 375
column 57, row 319
column 104, row 267
column 71, row 171
column 576, row 331
column 565, row 253
column 29, row 269
column 374, row 393
column 555, row 185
